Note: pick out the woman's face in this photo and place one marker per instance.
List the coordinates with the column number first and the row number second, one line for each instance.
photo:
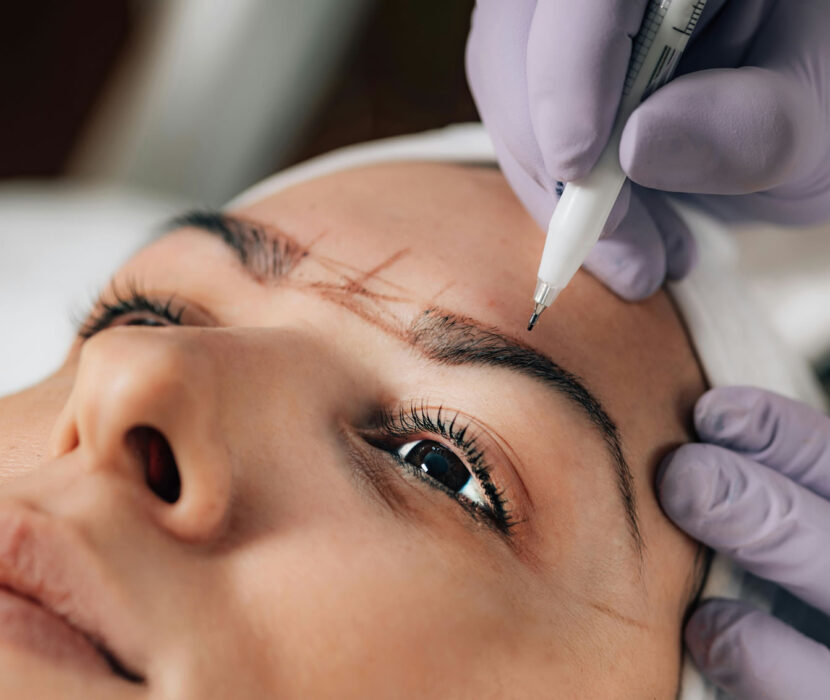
column 350, row 471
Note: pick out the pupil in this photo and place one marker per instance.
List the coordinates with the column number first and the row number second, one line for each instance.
column 440, row 463
column 435, row 464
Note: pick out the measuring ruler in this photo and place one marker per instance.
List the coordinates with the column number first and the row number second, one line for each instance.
column 662, row 38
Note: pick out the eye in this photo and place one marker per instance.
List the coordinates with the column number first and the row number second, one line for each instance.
column 135, row 309
column 442, row 464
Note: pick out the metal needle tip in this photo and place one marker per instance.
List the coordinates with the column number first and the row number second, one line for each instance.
column 537, row 311
column 533, row 320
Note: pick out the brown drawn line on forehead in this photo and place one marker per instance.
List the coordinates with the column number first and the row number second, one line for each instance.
column 273, row 261
column 348, row 283
column 377, row 269
column 359, row 305
column 351, row 292
column 352, row 272
column 269, row 254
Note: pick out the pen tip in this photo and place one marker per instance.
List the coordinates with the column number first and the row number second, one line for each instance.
column 533, row 320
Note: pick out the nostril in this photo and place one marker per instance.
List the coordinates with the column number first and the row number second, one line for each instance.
column 160, row 470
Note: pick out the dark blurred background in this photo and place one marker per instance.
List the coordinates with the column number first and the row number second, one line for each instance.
column 401, row 69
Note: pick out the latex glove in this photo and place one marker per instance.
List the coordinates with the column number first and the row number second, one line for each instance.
column 759, row 492
column 547, row 76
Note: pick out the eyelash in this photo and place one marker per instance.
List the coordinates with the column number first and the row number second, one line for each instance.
column 408, row 422
column 134, row 301
column 400, row 425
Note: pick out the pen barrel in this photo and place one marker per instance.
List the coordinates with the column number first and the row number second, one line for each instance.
column 657, row 48
column 583, row 209
column 580, row 216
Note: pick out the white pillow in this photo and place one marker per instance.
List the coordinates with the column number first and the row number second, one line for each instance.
column 59, row 244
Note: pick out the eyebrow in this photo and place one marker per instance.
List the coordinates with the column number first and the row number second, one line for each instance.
column 268, row 255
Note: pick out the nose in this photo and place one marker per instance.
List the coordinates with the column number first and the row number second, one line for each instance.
column 144, row 409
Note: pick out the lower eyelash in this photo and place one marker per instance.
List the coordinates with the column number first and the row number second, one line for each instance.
column 417, row 418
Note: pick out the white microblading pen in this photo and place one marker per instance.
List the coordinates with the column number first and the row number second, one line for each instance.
column 585, row 204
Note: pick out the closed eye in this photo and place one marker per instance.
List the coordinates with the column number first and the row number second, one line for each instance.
column 132, row 309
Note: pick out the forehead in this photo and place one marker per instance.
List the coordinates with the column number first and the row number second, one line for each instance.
column 446, row 234
column 457, row 237
column 418, row 235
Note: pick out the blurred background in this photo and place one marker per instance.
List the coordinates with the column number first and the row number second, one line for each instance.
column 119, row 113
column 201, row 98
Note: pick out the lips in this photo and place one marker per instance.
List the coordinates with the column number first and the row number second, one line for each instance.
column 56, row 597
column 29, row 625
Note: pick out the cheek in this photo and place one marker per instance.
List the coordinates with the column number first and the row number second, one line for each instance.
column 333, row 601
column 26, row 422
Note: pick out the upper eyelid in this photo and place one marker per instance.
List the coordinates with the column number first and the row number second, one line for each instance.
column 105, row 312
column 187, row 311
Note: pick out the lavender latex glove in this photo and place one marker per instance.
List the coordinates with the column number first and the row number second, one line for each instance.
column 759, row 492
column 747, row 117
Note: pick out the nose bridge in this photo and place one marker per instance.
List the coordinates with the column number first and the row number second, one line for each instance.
column 166, row 380
column 283, row 369
column 135, row 376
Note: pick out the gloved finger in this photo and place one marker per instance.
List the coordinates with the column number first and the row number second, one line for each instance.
column 678, row 242
column 752, row 655
column 792, row 44
column 728, row 131
column 632, row 260
column 537, row 200
column 577, row 57
column 788, row 436
column 723, row 35
column 761, row 519
column 496, row 68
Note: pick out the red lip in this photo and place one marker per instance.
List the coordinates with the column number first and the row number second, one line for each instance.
column 49, row 563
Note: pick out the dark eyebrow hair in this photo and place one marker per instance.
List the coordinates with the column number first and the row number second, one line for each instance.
column 265, row 253
column 268, row 254
column 459, row 340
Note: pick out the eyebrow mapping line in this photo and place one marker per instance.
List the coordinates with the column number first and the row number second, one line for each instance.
column 456, row 340
column 269, row 255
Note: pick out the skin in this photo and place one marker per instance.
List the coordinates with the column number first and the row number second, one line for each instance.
column 278, row 572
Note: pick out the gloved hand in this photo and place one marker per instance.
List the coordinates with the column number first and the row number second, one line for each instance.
column 759, row 492
column 547, row 77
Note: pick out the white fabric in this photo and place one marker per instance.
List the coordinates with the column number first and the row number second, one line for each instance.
column 59, row 244
column 732, row 337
